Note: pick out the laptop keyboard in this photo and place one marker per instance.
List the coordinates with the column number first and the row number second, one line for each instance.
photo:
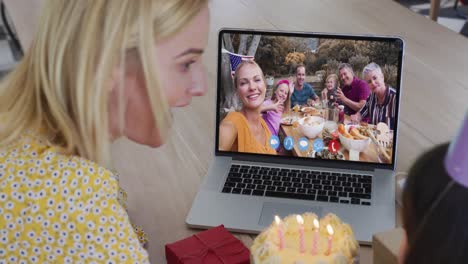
column 346, row 188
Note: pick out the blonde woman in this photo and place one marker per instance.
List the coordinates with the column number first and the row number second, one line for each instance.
column 96, row 71
column 246, row 131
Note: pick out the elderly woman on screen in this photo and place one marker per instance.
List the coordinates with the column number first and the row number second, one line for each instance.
column 381, row 104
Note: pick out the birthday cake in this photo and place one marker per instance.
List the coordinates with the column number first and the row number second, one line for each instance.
column 297, row 240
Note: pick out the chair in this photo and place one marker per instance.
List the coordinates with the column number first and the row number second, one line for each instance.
column 435, row 7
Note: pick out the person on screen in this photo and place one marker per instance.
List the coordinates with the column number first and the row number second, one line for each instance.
column 246, row 131
column 273, row 109
column 303, row 92
column 355, row 91
column 380, row 105
column 331, row 87
column 91, row 76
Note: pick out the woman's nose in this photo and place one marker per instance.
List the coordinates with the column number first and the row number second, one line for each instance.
column 199, row 90
column 199, row 85
column 252, row 85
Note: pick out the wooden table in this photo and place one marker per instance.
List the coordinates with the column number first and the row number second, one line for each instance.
column 161, row 183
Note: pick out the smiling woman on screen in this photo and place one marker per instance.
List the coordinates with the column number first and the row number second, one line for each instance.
column 246, row 131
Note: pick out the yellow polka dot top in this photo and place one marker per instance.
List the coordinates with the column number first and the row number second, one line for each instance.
column 56, row 208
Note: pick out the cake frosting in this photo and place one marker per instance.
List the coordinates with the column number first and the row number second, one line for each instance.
column 344, row 250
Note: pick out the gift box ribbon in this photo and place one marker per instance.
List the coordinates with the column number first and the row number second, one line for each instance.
column 213, row 249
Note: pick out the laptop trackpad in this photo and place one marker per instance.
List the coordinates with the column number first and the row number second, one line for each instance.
column 271, row 209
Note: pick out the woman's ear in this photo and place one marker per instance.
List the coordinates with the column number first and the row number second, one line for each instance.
column 113, row 89
column 403, row 249
column 120, row 82
column 125, row 74
column 114, row 80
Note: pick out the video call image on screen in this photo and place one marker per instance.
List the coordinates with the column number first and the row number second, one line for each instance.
column 321, row 98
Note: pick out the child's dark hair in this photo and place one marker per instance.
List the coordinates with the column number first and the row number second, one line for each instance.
column 436, row 221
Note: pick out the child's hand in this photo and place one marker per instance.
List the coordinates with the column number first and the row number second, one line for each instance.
column 324, row 94
column 278, row 106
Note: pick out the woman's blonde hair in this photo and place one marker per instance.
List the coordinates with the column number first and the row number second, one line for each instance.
column 62, row 83
column 241, row 65
column 334, row 77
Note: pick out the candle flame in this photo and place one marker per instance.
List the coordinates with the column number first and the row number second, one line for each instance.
column 277, row 220
column 316, row 224
column 330, row 230
column 299, row 219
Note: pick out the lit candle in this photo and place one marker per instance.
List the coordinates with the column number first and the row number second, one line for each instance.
column 330, row 237
column 280, row 232
column 300, row 221
column 316, row 233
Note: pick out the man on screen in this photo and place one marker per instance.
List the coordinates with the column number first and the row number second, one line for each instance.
column 303, row 92
column 355, row 91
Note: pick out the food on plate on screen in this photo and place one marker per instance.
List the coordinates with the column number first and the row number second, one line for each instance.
column 342, row 130
column 310, row 122
column 356, row 134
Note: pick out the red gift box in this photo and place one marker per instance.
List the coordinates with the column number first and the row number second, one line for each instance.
column 212, row 246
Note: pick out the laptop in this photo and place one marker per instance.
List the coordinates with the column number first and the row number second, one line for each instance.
column 245, row 188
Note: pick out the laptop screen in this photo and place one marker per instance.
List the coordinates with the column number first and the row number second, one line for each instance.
column 308, row 96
